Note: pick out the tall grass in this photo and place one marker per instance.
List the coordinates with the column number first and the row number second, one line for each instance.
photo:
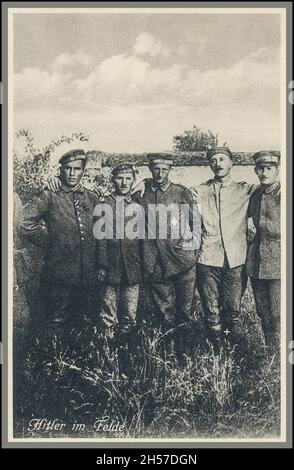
column 144, row 386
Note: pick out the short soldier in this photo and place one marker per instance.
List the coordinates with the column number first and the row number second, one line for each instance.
column 221, row 276
column 263, row 259
column 63, row 222
column 118, row 257
column 119, row 263
column 169, row 262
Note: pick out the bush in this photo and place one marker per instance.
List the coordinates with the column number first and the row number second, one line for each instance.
column 195, row 140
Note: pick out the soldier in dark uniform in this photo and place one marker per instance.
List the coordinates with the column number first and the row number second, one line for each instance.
column 119, row 264
column 169, row 263
column 264, row 251
column 63, row 223
column 118, row 259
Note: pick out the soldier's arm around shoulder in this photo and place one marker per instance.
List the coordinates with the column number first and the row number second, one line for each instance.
column 249, row 188
column 197, row 191
column 140, row 188
column 188, row 196
column 33, row 227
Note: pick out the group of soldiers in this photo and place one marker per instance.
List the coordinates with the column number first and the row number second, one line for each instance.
column 99, row 281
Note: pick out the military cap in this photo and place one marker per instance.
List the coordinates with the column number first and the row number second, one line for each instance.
column 160, row 157
column 267, row 157
column 123, row 168
column 73, row 155
column 216, row 150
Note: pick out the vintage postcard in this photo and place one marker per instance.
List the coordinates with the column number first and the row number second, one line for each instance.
column 147, row 161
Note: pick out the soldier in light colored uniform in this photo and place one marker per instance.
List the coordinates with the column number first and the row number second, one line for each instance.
column 221, row 276
column 264, row 251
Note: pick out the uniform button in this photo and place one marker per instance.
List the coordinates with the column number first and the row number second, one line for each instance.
column 81, row 225
column 82, row 238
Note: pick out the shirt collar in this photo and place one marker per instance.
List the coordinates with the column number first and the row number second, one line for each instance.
column 163, row 187
column 77, row 189
column 224, row 184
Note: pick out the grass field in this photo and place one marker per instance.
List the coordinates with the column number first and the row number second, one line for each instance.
column 235, row 394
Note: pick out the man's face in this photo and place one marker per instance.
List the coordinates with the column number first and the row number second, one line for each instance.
column 71, row 173
column 267, row 174
column 160, row 172
column 221, row 164
column 123, row 183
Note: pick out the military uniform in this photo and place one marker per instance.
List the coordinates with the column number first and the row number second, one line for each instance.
column 264, row 258
column 121, row 260
column 221, row 276
column 118, row 255
column 169, row 268
column 62, row 222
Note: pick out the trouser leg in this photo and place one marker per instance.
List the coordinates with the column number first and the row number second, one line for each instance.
column 185, row 293
column 162, row 298
column 126, row 334
column 267, row 300
column 275, row 308
column 233, row 286
column 262, row 303
column 128, row 305
column 107, row 323
column 88, row 305
column 208, row 283
column 59, row 304
column 109, row 306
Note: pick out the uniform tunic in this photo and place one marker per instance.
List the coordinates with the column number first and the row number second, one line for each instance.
column 120, row 257
column 169, row 263
column 264, row 259
column 63, row 223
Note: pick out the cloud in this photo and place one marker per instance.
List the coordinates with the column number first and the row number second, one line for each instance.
column 79, row 60
column 140, row 103
column 127, row 79
column 147, row 44
column 34, row 87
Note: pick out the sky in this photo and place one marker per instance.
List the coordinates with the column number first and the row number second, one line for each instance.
column 133, row 81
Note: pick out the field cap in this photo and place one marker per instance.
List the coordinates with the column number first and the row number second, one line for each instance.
column 160, row 157
column 123, row 168
column 73, row 155
column 267, row 157
column 216, row 150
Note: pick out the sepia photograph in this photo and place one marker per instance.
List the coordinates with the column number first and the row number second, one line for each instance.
column 147, row 224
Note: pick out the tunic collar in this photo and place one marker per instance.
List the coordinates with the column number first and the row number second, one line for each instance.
column 271, row 188
column 127, row 198
column 163, row 187
column 77, row 189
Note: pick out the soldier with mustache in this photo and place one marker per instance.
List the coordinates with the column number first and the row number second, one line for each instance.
column 264, row 251
column 221, row 275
